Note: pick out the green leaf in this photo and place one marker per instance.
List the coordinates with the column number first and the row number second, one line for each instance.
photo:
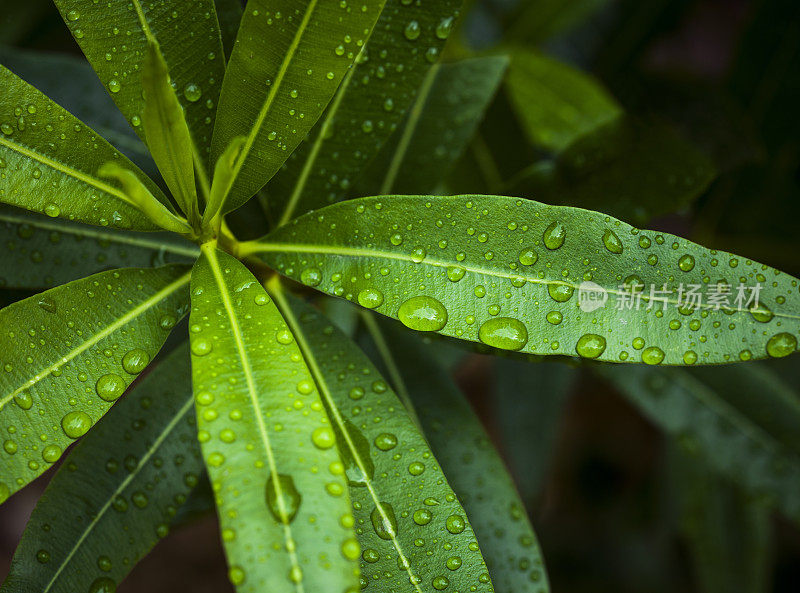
column 167, row 133
column 528, row 404
column 539, row 20
column 70, row 352
column 368, row 107
column 224, row 172
column 474, row 468
column 189, row 39
column 728, row 535
column 448, row 108
column 409, row 522
column 267, row 443
column 229, row 15
column 507, row 272
column 41, row 252
column 49, row 162
column 556, row 103
column 70, row 81
column 288, row 60
column 639, row 169
column 128, row 476
column 716, row 424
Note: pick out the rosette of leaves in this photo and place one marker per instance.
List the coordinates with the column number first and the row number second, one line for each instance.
column 323, row 478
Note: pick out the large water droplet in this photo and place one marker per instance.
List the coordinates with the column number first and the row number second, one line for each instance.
column 384, row 521
column 289, row 496
column 504, row 332
column 686, row 263
column 560, row 293
column 370, row 298
column 323, row 438
column 782, row 344
column 76, row 424
column 135, row 361
column 554, row 235
column 423, row 313
column 590, row 345
column 612, row 242
column 109, row 387
column 455, row 524
column 652, row 355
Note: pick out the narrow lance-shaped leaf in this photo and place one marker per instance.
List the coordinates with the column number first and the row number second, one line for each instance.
column 474, row 468
column 528, row 404
column 49, row 162
column 141, row 461
column 41, row 252
column 556, row 103
column 288, row 60
column 368, row 107
column 520, row 275
column 267, row 442
column 167, row 133
column 727, row 533
column 448, row 108
column 714, row 422
column 84, row 96
column 414, row 534
column 70, row 352
column 189, row 40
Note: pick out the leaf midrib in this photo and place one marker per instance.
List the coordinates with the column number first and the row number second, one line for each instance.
column 123, row 238
column 62, row 168
column 210, row 252
column 325, row 391
column 273, row 92
column 256, row 247
column 96, row 338
column 121, row 488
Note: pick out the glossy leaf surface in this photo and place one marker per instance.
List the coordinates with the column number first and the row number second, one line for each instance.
column 289, row 58
column 715, row 424
column 84, row 96
column 556, row 103
column 444, row 116
column 140, row 462
column 368, row 107
column 508, row 272
column 474, row 468
column 413, row 532
column 41, row 252
column 70, row 352
column 49, row 162
column 122, row 31
column 267, row 442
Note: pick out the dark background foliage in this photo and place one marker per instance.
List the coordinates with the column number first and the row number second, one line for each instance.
column 598, row 477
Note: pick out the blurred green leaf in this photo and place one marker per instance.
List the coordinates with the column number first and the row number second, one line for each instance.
column 629, row 168
column 536, row 21
column 70, row 352
column 229, row 15
column 41, row 252
column 714, row 420
column 448, row 108
column 555, row 103
column 728, row 535
column 128, row 475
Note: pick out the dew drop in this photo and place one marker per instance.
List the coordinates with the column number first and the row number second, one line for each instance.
column 311, row 277
column 323, row 437
column 554, row 235
column 110, row 387
column 455, row 273
column 52, row 210
column 290, row 496
column 135, row 361
column 612, row 242
column 528, row 257
column 652, row 355
column 386, row 441
column 114, row 86
column 455, row 524
column 686, row 263
column 504, row 332
column 782, row 344
column 103, row 585
column 384, row 521
column 370, row 298
column 423, row 313
column 560, row 293
column 76, row 424
column 590, row 345
column 412, row 30
column 201, row 346
column 192, row 92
